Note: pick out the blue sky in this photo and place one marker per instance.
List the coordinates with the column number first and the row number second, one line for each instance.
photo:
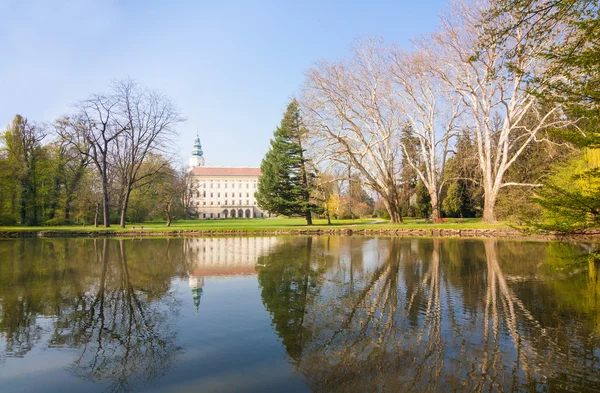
column 230, row 66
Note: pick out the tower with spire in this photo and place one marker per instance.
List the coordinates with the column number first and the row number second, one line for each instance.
column 197, row 158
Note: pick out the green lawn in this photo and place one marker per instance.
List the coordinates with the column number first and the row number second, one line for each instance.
column 261, row 224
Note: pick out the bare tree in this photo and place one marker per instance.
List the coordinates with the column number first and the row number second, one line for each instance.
column 148, row 119
column 353, row 121
column 118, row 132
column 93, row 131
column 431, row 112
column 494, row 80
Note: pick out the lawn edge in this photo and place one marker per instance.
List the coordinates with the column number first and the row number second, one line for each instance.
column 502, row 233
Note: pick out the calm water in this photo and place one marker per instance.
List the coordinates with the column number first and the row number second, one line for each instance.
column 301, row 314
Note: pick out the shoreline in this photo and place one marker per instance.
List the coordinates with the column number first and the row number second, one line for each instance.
column 500, row 233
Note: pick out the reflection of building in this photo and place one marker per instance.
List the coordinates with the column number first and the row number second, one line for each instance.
column 223, row 192
column 220, row 258
column 196, row 284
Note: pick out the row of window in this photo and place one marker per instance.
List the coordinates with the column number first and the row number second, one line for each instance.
column 205, row 215
column 219, row 194
column 226, row 202
column 211, row 185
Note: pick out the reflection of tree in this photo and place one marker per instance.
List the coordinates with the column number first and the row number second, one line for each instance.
column 502, row 304
column 425, row 315
column 124, row 338
column 30, row 287
column 103, row 306
column 287, row 283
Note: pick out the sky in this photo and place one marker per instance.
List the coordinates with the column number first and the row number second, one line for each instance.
column 231, row 67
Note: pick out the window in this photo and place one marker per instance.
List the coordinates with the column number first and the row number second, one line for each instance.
column 247, row 185
column 211, row 185
column 197, row 194
column 218, row 195
column 211, row 215
column 225, row 201
column 225, row 195
column 240, row 194
column 204, row 203
column 218, row 215
column 204, row 194
column 233, row 185
column 211, row 194
column 240, row 202
column 225, row 185
column 211, row 202
column 247, row 202
column 218, row 185
column 247, row 194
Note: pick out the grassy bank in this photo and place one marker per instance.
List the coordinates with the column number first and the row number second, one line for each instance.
column 260, row 225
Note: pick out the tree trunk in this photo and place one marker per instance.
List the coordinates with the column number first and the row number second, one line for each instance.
column 308, row 218
column 96, row 215
column 168, row 212
column 435, row 207
column 489, row 214
column 391, row 205
column 125, row 205
column 23, row 207
column 105, row 206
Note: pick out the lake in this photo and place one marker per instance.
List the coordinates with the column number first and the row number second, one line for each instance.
column 298, row 314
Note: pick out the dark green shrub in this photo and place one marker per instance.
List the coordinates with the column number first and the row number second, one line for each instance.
column 6, row 219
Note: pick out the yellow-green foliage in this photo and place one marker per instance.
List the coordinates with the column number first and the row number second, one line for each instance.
column 571, row 196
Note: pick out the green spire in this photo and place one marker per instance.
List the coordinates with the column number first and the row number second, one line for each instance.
column 197, row 151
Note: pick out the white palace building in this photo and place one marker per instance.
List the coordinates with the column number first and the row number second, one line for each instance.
column 223, row 192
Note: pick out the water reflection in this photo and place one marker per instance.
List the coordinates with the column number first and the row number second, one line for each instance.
column 353, row 314
column 110, row 301
column 221, row 258
column 429, row 315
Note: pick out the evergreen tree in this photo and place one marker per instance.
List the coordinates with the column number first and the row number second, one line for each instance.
column 287, row 182
column 464, row 195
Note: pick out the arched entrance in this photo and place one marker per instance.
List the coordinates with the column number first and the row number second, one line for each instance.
column 247, row 213
column 232, row 213
column 240, row 213
column 225, row 213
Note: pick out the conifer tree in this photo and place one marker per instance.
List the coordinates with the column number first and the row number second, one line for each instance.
column 287, row 181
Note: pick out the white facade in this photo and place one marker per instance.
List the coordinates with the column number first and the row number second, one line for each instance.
column 223, row 192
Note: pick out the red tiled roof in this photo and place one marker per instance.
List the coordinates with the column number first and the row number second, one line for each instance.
column 207, row 171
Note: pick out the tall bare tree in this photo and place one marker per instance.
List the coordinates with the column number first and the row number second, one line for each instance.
column 118, row 132
column 431, row 112
column 148, row 119
column 353, row 121
column 93, row 131
column 363, row 108
column 494, row 79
